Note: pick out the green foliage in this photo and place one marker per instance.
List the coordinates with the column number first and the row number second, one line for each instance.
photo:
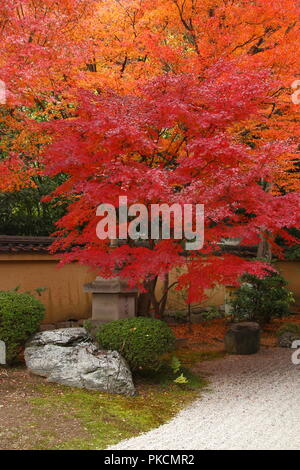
column 178, row 316
column 261, row 299
column 39, row 290
column 20, row 316
column 23, row 212
column 181, row 379
column 293, row 328
column 101, row 419
column 175, row 364
column 292, row 253
column 189, row 358
column 182, row 316
column 88, row 325
column 165, row 377
column 141, row 341
column 212, row 314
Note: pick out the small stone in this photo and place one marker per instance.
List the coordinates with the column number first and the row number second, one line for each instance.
column 243, row 338
column 285, row 340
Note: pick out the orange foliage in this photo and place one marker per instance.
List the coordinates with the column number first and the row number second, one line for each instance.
column 50, row 48
column 15, row 175
column 209, row 335
column 204, row 334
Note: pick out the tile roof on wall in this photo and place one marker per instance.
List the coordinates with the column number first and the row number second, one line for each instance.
column 11, row 244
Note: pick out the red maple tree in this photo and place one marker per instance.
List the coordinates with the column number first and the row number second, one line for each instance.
column 170, row 142
column 203, row 127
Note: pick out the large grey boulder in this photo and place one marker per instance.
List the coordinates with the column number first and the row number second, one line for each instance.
column 243, row 338
column 70, row 357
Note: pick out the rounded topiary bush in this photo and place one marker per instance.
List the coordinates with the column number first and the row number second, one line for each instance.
column 20, row 317
column 141, row 341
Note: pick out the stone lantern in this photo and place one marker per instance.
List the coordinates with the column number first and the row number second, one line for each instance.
column 111, row 299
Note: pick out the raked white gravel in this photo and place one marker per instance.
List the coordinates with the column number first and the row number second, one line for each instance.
column 253, row 403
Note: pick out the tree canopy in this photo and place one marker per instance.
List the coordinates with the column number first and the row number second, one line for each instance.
column 174, row 101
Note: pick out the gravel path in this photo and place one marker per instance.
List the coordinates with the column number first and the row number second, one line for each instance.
column 254, row 403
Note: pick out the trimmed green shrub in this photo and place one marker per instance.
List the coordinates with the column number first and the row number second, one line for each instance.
column 261, row 300
column 293, row 328
column 141, row 341
column 20, row 316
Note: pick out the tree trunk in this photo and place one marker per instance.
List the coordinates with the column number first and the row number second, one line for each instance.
column 145, row 298
column 148, row 299
column 264, row 250
column 163, row 301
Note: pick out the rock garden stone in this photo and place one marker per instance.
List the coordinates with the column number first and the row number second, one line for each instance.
column 2, row 353
column 286, row 339
column 70, row 357
column 243, row 338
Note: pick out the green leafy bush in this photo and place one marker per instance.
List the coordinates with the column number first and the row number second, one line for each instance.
column 212, row 314
column 23, row 212
column 20, row 316
column 261, row 299
column 293, row 328
column 141, row 341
